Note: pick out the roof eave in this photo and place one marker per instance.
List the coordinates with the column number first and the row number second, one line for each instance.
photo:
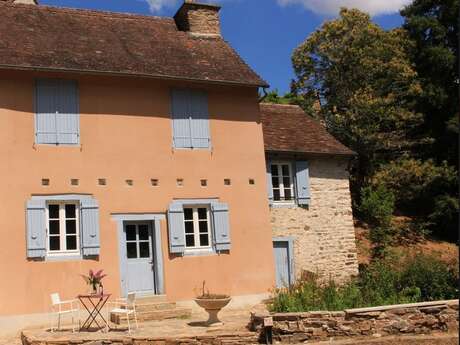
column 262, row 84
column 316, row 153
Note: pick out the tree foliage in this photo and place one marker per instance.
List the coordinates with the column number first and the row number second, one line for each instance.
column 433, row 27
column 366, row 78
column 392, row 96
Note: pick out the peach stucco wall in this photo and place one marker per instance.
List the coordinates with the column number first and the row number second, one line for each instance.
column 126, row 133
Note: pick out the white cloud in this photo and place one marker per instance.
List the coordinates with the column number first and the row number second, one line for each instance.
column 157, row 5
column 332, row 7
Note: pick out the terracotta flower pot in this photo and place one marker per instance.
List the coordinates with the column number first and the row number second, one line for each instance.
column 212, row 307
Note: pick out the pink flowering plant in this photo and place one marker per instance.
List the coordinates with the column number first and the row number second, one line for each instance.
column 94, row 279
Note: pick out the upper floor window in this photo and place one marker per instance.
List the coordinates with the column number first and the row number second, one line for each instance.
column 63, row 234
column 288, row 182
column 197, row 228
column 190, row 119
column 56, row 112
column 282, row 182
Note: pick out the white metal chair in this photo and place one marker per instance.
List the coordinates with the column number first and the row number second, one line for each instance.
column 59, row 308
column 125, row 306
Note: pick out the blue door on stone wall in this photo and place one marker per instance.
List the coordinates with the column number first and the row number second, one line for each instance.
column 281, row 252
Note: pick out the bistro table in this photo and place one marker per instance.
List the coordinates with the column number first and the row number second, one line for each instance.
column 93, row 304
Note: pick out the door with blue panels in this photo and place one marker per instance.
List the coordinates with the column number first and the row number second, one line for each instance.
column 283, row 262
column 139, row 257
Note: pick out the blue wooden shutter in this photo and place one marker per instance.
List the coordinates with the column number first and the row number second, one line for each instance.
column 45, row 111
column 57, row 114
column 89, row 227
column 67, row 117
column 302, row 183
column 36, row 228
column 180, row 109
column 199, row 119
column 176, row 228
column 221, row 226
column 269, row 181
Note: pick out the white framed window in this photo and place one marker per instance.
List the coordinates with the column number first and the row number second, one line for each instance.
column 282, row 182
column 197, row 227
column 62, row 233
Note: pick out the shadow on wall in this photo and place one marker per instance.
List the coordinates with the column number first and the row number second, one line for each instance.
column 130, row 96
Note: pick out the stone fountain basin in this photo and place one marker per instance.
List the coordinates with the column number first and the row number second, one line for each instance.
column 213, row 303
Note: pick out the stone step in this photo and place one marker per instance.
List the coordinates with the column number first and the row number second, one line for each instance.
column 151, row 299
column 154, row 315
column 143, row 307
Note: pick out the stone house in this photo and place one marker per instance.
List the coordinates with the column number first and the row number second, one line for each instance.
column 309, row 192
column 118, row 142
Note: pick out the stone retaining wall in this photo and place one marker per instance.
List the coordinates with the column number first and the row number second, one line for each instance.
column 235, row 338
column 417, row 318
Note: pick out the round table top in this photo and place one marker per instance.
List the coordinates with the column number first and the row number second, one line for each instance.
column 94, row 295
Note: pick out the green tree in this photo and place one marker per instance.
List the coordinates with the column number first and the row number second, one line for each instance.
column 364, row 75
column 433, row 26
column 273, row 96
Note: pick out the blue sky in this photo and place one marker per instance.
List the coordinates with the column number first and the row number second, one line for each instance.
column 264, row 32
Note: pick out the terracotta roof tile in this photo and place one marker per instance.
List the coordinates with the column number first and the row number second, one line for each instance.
column 287, row 128
column 51, row 38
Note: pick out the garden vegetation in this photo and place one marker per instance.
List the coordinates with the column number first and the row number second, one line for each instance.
column 383, row 282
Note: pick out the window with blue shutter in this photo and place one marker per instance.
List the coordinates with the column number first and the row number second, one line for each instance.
column 190, row 119
column 36, row 228
column 221, row 225
column 57, row 112
column 89, row 224
column 282, row 191
column 60, row 226
column 198, row 226
column 269, row 181
column 176, row 228
column 302, row 183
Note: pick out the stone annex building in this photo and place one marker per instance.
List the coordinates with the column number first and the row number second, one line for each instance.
column 138, row 145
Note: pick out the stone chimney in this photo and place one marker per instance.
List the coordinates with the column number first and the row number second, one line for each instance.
column 198, row 18
column 27, row 2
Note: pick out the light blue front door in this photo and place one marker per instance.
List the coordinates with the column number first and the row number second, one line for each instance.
column 139, row 257
column 282, row 263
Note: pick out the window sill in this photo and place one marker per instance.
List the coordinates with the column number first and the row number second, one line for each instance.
column 284, row 205
column 192, row 148
column 57, row 257
column 57, row 145
column 200, row 252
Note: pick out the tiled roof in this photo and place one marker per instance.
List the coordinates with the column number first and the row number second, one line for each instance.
column 51, row 38
column 287, row 128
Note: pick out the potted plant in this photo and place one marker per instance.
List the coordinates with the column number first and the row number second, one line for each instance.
column 212, row 303
column 94, row 280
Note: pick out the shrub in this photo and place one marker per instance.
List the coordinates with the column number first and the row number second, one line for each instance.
column 434, row 279
column 377, row 206
column 426, row 190
column 444, row 218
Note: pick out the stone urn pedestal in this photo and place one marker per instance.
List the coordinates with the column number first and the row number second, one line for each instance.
column 213, row 307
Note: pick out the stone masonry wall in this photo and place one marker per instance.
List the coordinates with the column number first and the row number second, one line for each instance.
column 416, row 318
column 324, row 239
column 198, row 19
column 204, row 21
